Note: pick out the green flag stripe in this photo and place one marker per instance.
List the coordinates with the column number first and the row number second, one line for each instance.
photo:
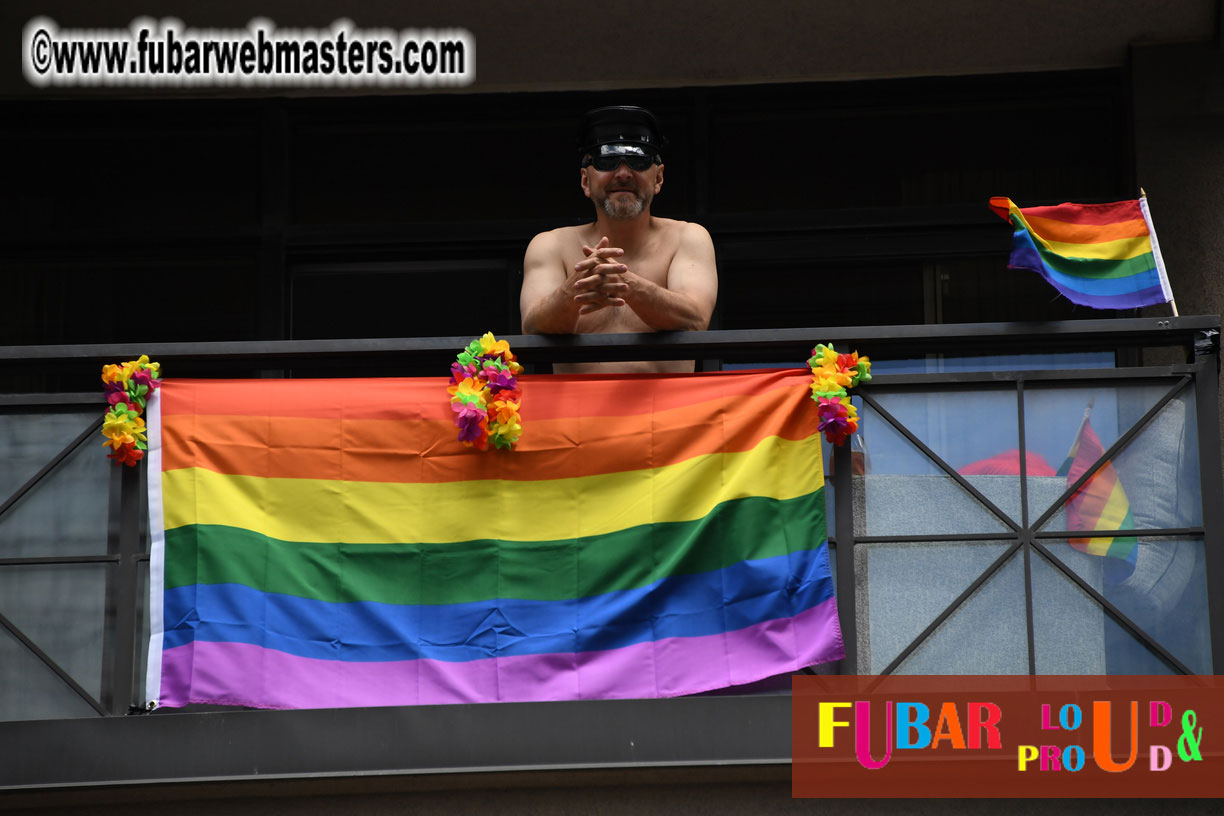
column 737, row 530
column 1097, row 268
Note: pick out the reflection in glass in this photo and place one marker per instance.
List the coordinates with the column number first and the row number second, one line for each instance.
column 1152, row 483
column 1061, row 423
column 987, row 634
column 1160, row 468
column 964, row 428
column 903, row 587
column 905, row 493
column 1164, row 593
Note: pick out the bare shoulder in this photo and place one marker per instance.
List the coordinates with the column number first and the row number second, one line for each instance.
column 695, row 235
column 686, row 232
column 690, row 237
column 550, row 241
column 548, row 250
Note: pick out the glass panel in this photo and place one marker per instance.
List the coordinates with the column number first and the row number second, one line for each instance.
column 29, row 440
column 1152, row 483
column 1164, row 593
column 986, row 635
column 1074, row 635
column 903, row 587
column 31, row 691
column 1160, row 468
column 1054, row 421
column 943, row 363
column 905, row 493
column 62, row 609
column 1069, row 627
column 38, row 526
column 949, row 423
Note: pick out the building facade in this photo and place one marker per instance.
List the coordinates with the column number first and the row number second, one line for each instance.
column 234, row 231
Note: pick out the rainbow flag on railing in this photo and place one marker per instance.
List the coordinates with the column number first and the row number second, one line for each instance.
column 1101, row 255
column 326, row 543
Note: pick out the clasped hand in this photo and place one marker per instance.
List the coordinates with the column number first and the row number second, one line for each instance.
column 600, row 281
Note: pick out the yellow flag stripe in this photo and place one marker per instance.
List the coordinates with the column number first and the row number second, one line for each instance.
column 1118, row 250
column 548, row 510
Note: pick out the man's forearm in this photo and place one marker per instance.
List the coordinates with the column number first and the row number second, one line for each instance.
column 662, row 309
column 555, row 314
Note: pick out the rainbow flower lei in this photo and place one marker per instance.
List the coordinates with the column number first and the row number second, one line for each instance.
column 128, row 387
column 832, row 375
column 485, row 395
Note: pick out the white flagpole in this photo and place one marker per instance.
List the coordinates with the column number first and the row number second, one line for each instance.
column 157, row 551
column 1160, row 266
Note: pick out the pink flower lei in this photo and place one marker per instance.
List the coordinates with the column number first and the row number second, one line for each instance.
column 832, row 375
column 128, row 387
column 485, row 395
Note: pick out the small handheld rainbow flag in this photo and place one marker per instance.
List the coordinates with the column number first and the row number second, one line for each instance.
column 1100, row 255
column 1099, row 504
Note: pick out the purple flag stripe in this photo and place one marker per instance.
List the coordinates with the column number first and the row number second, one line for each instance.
column 243, row 674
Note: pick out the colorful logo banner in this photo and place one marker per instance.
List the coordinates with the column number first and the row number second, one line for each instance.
column 1007, row 737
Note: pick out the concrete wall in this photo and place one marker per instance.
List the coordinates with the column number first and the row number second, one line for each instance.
column 1179, row 147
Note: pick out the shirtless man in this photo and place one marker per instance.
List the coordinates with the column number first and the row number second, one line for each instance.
column 628, row 271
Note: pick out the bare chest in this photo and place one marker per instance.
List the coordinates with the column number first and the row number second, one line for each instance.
column 651, row 262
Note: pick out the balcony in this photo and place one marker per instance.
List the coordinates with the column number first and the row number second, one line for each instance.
column 947, row 520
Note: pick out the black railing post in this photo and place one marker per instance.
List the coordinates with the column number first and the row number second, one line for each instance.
column 121, row 594
column 1211, row 489
column 847, row 602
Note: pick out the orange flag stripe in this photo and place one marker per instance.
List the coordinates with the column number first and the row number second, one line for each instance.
column 544, row 396
column 1068, row 233
column 419, row 450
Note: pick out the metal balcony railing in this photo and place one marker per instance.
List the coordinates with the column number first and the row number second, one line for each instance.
column 1159, row 372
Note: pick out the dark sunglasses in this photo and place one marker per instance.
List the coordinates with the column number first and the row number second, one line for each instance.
column 606, row 164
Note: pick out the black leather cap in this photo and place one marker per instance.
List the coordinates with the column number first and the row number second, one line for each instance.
column 621, row 124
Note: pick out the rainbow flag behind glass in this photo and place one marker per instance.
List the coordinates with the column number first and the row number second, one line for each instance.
column 329, row 543
column 1101, row 255
column 1099, row 504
